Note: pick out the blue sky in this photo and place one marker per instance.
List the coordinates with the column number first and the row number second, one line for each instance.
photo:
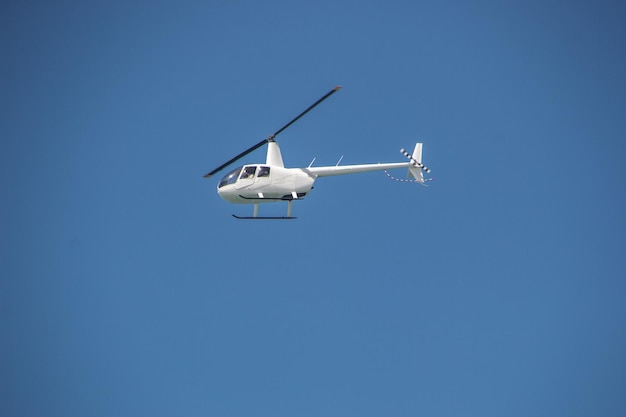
column 128, row 289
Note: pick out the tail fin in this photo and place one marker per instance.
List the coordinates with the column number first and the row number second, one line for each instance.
column 415, row 170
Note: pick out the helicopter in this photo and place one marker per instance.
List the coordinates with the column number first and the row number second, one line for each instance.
column 272, row 182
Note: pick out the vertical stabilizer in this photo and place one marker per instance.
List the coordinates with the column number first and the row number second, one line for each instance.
column 415, row 171
column 417, row 152
column 274, row 157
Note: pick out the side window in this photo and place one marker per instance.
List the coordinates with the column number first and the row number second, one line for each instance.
column 248, row 172
column 263, row 172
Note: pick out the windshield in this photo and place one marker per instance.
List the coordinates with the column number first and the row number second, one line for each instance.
column 230, row 178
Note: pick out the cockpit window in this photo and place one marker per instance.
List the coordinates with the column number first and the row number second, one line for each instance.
column 230, row 178
column 248, row 172
column 263, row 172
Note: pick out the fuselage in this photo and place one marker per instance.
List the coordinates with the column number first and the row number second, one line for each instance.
column 251, row 184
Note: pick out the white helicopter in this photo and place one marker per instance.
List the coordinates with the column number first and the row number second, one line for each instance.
column 272, row 182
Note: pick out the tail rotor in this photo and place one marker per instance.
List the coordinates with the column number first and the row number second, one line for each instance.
column 416, row 169
column 416, row 158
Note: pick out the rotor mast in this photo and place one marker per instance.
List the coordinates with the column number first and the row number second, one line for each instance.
column 274, row 157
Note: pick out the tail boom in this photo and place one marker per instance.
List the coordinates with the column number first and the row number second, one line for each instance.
column 414, row 166
column 352, row 169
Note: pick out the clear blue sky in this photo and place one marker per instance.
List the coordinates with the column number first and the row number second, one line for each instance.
column 127, row 288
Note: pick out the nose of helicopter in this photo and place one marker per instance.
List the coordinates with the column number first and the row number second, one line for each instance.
column 221, row 191
column 228, row 193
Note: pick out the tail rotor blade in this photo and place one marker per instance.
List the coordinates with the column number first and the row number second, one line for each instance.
column 414, row 162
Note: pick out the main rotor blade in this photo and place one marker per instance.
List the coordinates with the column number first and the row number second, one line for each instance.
column 295, row 119
column 273, row 135
column 241, row 155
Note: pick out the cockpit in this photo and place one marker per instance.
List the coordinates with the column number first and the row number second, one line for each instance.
column 245, row 172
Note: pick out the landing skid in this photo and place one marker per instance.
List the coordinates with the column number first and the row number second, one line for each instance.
column 262, row 218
